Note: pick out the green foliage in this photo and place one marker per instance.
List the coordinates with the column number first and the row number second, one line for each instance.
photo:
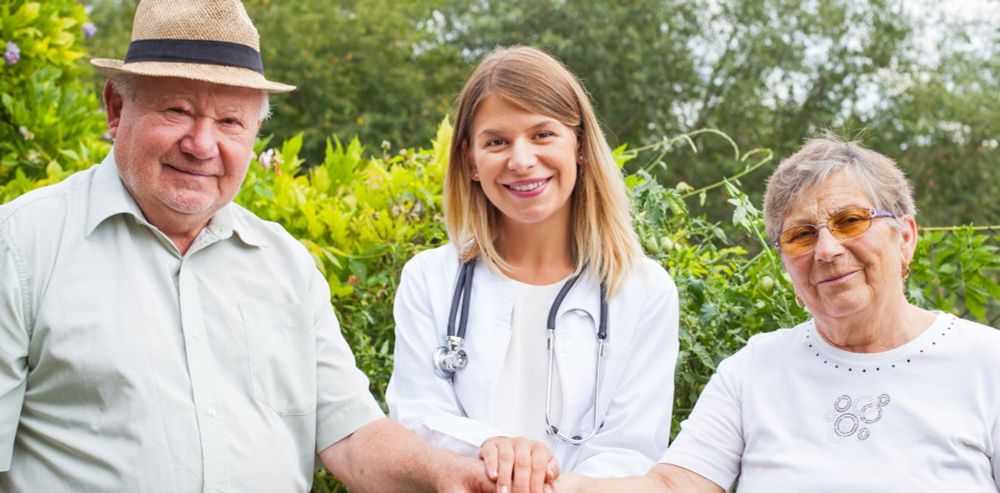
column 50, row 124
column 955, row 269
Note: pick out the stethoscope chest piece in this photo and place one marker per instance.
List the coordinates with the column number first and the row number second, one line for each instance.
column 449, row 358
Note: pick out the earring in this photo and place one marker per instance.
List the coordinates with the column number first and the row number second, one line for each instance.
column 799, row 302
column 475, row 175
column 906, row 272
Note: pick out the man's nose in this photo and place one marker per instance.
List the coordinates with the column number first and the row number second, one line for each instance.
column 200, row 141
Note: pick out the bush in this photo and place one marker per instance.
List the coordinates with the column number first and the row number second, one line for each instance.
column 50, row 123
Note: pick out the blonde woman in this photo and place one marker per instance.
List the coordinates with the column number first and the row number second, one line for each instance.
column 540, row 338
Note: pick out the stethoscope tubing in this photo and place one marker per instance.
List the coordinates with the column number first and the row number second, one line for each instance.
column 456, row 337
column 463, row 288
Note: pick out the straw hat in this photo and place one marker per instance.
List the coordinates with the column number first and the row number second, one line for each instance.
column 210, row 40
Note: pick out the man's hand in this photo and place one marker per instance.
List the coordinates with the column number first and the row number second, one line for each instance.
column 519, row 465
column 383, row 457
column 460, row 474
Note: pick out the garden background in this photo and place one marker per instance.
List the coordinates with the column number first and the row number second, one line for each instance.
column 702, row 99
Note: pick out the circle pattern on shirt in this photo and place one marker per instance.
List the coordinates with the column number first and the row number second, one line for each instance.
column 851, row 417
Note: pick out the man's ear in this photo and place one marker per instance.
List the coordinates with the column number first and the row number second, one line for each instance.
column 113, row 101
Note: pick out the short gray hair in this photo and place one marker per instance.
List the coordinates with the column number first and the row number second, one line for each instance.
column 878, row 176
column 126, row 86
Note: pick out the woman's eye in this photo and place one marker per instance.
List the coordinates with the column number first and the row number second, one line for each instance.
column 494, row 142
column 544, row 134
column 849, row 220
column 801, row 234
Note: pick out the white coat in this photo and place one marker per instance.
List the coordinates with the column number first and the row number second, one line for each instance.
column 637, row 389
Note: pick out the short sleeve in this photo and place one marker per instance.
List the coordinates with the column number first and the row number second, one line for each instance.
column 343, row 400
column 14, row 306
column 711, row 439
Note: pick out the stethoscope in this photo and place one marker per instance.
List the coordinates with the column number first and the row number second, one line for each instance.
column 451, row 357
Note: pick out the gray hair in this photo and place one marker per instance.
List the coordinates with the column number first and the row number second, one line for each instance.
column 126, row 86
column 878, row 176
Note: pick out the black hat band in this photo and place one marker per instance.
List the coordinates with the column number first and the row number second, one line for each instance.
column 195, row 51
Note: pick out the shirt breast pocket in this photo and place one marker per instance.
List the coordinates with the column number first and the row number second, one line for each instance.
column 281, row 351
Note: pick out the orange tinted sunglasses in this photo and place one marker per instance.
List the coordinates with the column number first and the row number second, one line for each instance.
column 845, row 224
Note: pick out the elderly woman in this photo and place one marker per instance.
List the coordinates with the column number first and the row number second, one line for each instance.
column 872, row 394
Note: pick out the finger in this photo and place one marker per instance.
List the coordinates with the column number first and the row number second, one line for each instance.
column 540, row 458
column 522, row 467
column 552, row 470
column 505, row 466
column 490, row 456
column 483, row 484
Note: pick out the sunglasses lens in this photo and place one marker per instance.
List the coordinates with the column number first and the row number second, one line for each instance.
column 851, row 223
column 796, row 240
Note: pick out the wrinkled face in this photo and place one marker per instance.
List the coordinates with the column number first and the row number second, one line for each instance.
column 852, row 276
column 525, row 162
column 183, row 146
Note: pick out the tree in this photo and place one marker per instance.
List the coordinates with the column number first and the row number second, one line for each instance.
column 771, row 72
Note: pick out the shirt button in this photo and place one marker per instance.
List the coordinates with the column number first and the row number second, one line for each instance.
column 211, row 411
column 196, row 336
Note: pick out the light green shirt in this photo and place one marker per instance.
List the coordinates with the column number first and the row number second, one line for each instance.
column 125, row 366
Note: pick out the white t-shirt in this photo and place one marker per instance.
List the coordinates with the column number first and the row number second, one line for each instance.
column 519, row 400
column 789, row 412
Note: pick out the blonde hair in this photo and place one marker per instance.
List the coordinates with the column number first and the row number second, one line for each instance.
column 878, row 176
column 600, row 211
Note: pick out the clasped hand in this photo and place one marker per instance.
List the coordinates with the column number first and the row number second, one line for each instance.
column 519, row 464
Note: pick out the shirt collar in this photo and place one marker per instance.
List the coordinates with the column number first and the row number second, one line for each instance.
column 582, row 296
column 109, row 197
column 235, row 219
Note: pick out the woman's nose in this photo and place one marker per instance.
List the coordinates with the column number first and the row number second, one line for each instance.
column 522, row 156
column 827, row 246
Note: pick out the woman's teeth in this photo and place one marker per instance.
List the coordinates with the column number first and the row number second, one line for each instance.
column 527, row 187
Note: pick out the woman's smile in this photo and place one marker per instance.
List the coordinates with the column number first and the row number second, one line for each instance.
column 528, row 188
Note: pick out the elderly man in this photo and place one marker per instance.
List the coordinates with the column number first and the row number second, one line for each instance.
column 156, row 337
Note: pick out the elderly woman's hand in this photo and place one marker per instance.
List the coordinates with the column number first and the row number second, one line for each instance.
column 519, row 464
